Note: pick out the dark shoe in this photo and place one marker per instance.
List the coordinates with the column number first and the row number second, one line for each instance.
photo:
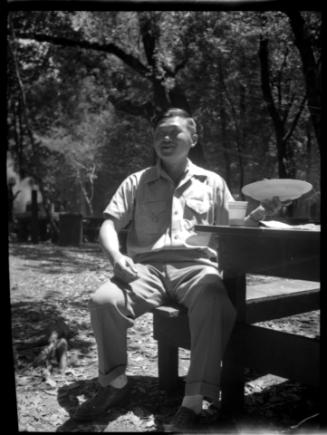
column 185, row 420
column 105, row 398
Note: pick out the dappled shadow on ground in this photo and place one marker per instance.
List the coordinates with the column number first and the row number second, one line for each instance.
column 32, row 323
column 145, row 404
column 55, row 259
column 149, row 409
column 280, row 407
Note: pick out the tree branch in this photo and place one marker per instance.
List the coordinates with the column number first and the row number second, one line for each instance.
column 171, row 72
column 128, row 59
column 149, row 34
column 286, row 111
column 146, row 110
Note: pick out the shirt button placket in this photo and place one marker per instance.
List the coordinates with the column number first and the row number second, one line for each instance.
column 175, row 219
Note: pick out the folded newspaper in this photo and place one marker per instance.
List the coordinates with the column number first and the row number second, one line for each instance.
column 283, row 226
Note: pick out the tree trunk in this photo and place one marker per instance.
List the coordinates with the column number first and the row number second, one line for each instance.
column 225, row 146
column 236, row 118
column 240, row 135
column 17, row 126
column 86, row 197
column 309, row 152
column 34, row 218
column 311, row 70
column 277, row 121
column 240, row 162
column 223, row 120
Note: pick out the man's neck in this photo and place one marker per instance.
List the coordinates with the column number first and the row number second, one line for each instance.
column 175, row 170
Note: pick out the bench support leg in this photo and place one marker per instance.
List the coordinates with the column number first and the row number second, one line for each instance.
column 233, row 380
column 167, row 365
column 232, row 385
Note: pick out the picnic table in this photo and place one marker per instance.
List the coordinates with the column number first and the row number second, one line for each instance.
column 288, row 253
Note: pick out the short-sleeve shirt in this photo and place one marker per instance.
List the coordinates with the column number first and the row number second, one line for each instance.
column 160, row 216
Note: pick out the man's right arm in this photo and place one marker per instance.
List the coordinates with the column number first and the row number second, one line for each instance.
column 123, row 266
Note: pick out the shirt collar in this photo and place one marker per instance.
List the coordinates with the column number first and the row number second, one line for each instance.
column 191, row 170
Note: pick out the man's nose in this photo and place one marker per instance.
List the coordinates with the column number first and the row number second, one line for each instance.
column 166, row 138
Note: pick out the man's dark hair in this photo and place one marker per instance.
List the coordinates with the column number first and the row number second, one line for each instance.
column 175, row 111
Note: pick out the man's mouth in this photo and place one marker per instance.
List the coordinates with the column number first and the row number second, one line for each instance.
column 167, row 147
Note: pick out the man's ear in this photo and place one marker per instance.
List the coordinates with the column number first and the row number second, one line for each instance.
column 194, row 139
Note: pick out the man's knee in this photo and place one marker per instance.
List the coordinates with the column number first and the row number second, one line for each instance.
column 211, row 287
column 213, row 295
column 107, row 295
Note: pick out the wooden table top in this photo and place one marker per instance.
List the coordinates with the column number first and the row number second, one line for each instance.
column 292, row 253
column 233, row 230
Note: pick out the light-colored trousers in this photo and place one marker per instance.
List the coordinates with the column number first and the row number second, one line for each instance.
column 115, row 305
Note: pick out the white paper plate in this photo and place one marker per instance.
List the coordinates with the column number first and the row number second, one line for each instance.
column 286, row 189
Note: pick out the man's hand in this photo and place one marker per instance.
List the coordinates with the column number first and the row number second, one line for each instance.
column 274, row 205
column 267, row 208
column 124, row 269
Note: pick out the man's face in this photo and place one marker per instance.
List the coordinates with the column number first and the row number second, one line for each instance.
column 173, row 139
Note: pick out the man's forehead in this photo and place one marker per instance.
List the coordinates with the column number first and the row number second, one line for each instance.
column 175, row 121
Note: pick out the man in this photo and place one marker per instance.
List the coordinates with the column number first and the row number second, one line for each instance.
column 165, row 259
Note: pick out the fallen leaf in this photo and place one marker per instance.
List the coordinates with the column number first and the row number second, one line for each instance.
column 150, row 422
column 51, row 382
column 51, row 392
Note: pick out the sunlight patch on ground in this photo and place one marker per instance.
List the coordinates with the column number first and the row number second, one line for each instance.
column 262, row 382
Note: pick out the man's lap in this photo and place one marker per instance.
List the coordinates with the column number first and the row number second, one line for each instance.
column 158, row 284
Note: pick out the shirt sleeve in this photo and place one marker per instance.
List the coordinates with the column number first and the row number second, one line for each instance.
column 121, row 205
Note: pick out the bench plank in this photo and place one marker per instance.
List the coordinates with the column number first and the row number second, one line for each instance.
column 287, row 355
column 274, row 307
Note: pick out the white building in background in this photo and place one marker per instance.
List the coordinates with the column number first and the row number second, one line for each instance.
column 23, row 199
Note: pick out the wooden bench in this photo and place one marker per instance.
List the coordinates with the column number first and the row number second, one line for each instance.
column 170, row 325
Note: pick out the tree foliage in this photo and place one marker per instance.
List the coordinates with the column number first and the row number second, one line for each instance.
column 87, row 87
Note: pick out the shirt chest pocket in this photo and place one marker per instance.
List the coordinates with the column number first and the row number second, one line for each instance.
column 198, row 211
column 152, row 217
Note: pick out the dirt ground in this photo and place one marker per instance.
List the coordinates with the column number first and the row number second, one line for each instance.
column 51, row 284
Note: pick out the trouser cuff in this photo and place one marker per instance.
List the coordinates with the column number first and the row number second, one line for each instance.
column 104, row 380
